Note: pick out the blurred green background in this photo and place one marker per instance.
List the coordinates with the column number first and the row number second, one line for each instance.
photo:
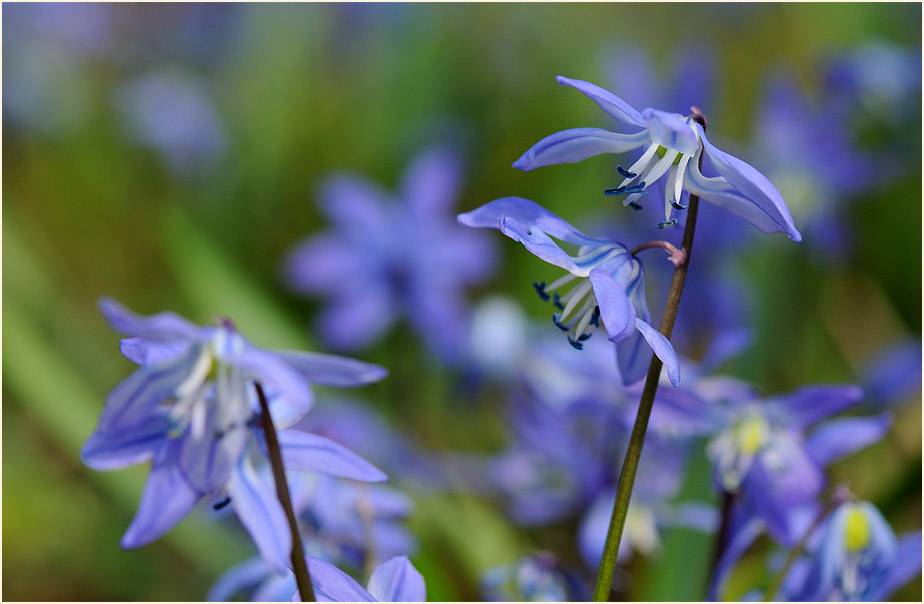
column 300, row 90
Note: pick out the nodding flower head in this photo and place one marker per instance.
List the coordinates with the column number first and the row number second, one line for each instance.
column 607, row 282
column 675, row 146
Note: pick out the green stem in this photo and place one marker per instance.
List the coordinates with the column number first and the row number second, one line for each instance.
column 637, row 439
column 299, row 564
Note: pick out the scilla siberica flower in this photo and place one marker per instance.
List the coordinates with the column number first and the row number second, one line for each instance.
column 394, row 581
column 191, row 408
column 609, row 282
column 859, row 557
column 674, row 146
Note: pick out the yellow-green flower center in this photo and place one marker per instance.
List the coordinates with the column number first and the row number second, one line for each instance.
column 856, row 530
column 662, row 151
column 752, row 434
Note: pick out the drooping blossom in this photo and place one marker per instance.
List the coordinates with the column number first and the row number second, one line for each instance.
column 674, row 146
column 607, row 282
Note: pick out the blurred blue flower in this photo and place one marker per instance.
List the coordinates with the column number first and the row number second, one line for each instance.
column 893, row 376
column 535, row 578
column 673, row 146
column 859, row 557
column 173, row 113
column 198, row 441
column 610, row 282
column 394, row 581
column 390, row 257
column 765, row 452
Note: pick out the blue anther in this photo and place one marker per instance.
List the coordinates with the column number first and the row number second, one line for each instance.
column 595, row 318
column 666, row 223
column 540, row 289
column 223, row 503
column 625, row 172
column 585, row 336
column 616, row 191
column 575, row 344
column 678, row 205
column 556, row 300
column 635, row 206
column 639, row 188
column 556, row 319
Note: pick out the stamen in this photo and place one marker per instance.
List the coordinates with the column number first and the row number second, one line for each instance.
column 556, row 300
column 667, row 223
column 222, row 504
column 575, row 343
column 585, row 321
column 556, row 319
column 634, row 206
column 567, row 278
column 574, row 298
column 625, row 172
column 678, row 179
column 639, row 188
column 540, row 289
column 678, row 205
column 595, row 318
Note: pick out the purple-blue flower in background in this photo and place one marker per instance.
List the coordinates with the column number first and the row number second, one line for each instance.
column 859, row 558
column 609, row 283
column 394, row 581
column 191, row 408
column 534, row 578
column 173, row 113
column 391, row 256
column 673, row 145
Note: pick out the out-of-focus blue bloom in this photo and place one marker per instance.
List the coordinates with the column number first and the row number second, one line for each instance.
column 498, row 337
column 673, row 147
column 610, row 283
column 661, row 473
column 766, row 452
column 173, row 113
column 535, row 578
column 859, row 557
column 894, row 374
column 808, row 153
column 198, row 440
column 389, row 257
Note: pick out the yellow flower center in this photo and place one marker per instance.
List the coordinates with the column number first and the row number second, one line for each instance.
column 856, row 530
column 752, row 434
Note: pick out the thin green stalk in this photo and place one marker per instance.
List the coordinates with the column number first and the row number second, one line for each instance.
column 299, row 565
column 637, row 439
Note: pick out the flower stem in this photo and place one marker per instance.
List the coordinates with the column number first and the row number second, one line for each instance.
column 677, row 256
column 299, row 564
column 637, row 439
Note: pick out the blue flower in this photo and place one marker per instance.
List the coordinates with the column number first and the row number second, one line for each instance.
column 859, row 557
column 394, row 581
column 609, row 283
column 393, row 256
column 535, row 578
column 673, row 145
column 191, row 409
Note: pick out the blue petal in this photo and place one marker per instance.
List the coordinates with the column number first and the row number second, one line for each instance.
column 243, row 577
column 842, row 437
column 577, row 144
column 812, row 404
column 718, row 192
column 333, row 585
column 671, row 131
column 541, row 245
column 397, row 581
column 143, row 351
column 162, row 326
column 529, row 214
column 332, row 370
column 609, row 102
column 262, row 515
column 127, row 446
column 305, row 452
column 753, row 185
column 616, row 311
column 907, row 566
column 895, row 374
column 207, row 462
column 780, row 479
column 272, row 370
column 743, row 534
column 167, row 499
column 432, row 182
column 698, row 516
column 358, row 206
column 136, row 398
column 662, row 349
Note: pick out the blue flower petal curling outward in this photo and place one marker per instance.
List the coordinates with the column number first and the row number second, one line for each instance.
column 674, row 148
column 393, row 581
column 608, row 282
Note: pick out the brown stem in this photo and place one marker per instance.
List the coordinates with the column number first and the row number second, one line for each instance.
column 299, row 564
